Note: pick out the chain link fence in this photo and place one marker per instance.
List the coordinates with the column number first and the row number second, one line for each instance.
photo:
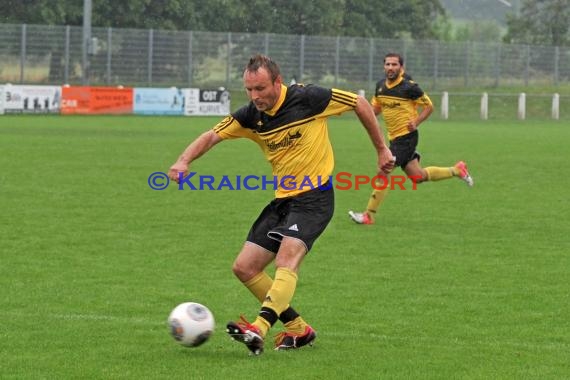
column 40, row 54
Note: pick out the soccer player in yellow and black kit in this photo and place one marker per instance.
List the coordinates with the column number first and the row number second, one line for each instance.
column 290, row 126
column 398, row 97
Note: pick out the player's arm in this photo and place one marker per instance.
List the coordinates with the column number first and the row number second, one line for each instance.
column 423, row 115
column 375, row 102
column 377, row 107
column 424, row 102
column 368, row 119
column 197, row 148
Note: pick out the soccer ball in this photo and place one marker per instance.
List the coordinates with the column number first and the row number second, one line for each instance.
column 191, row 324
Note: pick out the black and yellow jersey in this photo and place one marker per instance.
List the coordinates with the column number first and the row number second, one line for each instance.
column 399, row 102
column 293, row 135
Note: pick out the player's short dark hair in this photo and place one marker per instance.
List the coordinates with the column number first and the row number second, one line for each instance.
column 258, row 61
column 395, row 55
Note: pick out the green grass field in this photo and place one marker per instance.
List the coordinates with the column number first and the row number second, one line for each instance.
column 451, row 283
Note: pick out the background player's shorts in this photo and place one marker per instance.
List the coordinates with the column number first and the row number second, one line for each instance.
column 304, row 217
column 404, row 148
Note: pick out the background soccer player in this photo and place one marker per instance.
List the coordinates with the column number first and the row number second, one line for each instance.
column 398, row 97
column 290, row 126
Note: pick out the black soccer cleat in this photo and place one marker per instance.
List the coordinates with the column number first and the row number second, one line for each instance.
column 246, row 333
column 288, row 340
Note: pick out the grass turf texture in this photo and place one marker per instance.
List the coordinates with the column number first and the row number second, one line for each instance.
column 451, row 282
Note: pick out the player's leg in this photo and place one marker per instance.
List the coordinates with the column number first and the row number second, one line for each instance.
column 249, row 265
column 307, row 216
column 251, row 261
column 298, row 333
column 415, row 172
column 403, row 148
column 436, row 173
column 276, row 302
column 289, row 257
column 249, row 268
column 294, row 323
column 379, row 192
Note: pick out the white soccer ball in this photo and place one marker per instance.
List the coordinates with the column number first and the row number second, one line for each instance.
column 191, row 324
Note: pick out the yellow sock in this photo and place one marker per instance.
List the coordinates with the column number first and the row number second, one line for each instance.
column 279, row 296
column 376, row 199
column 296, row 326
column 282, row 290
column 262, row 325
column 259, row 285
column 435, row 173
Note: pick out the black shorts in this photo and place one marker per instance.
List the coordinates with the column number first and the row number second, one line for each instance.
column 304, row 217
column 404, row 148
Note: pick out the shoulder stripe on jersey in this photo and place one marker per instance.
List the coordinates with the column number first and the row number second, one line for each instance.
column 224, row 124
column 344, row 98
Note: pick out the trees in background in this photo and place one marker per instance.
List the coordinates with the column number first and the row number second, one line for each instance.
column 536, row 22
column 52, row 12
column 540, row 22
column 364, row 18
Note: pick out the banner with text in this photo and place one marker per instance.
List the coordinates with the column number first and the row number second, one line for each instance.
column 97, row 100
column 113, row 100
column 31, row 99
column 158, row 101
column 206, row 102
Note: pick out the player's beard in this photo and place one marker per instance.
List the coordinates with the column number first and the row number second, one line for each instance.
column 265, row 104
column 261, row 106
column 392, row 75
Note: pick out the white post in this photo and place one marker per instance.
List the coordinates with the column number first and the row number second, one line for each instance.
column 445, row 105
column 2, row 100
column 485, row 106
column 522, row 106
column 556, row 107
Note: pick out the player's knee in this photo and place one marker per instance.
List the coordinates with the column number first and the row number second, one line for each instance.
column 419, row 178
column 241, row 271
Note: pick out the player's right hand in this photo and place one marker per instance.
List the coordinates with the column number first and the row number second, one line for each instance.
column 386, row 161
column 176, row 169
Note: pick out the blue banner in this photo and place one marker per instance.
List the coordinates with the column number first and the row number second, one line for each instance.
column 158, row 101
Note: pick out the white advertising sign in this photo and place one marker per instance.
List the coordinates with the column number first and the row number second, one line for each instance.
column 206, row 102
column 31, row 99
